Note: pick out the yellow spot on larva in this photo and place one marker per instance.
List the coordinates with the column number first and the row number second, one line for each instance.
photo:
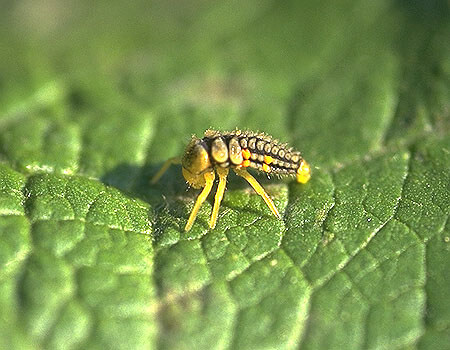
column 246, row 154
column 303, row 172
column 246, row 163
column 268, row 159
column 266, row 168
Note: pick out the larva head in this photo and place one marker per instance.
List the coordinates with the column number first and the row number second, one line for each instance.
column 195, row 163
column 303, row 172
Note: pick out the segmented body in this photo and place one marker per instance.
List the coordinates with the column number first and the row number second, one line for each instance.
column 217, row 152
column 248, row 149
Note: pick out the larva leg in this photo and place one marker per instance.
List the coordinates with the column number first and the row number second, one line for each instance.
column 258, row 188
column 209, row 179
column 223, row 173
column 164, row 168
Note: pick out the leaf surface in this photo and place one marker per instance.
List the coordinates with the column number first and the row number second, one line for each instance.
column 93, row 256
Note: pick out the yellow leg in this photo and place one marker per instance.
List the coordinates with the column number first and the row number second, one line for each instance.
column 223, row 173
column 209, row 179
column 258, row 188
column 164, row 168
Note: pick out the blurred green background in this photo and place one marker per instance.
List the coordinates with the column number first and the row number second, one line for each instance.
column 94, row 96
column 258, row 65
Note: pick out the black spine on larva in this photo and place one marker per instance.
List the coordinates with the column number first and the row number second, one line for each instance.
column 285, row 160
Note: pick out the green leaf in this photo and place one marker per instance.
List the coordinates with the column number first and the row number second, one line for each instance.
column 95, row 96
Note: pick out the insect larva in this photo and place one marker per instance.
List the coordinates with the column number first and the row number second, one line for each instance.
column 218, row 152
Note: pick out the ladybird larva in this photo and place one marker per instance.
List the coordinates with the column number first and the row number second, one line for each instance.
column 218, row 152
